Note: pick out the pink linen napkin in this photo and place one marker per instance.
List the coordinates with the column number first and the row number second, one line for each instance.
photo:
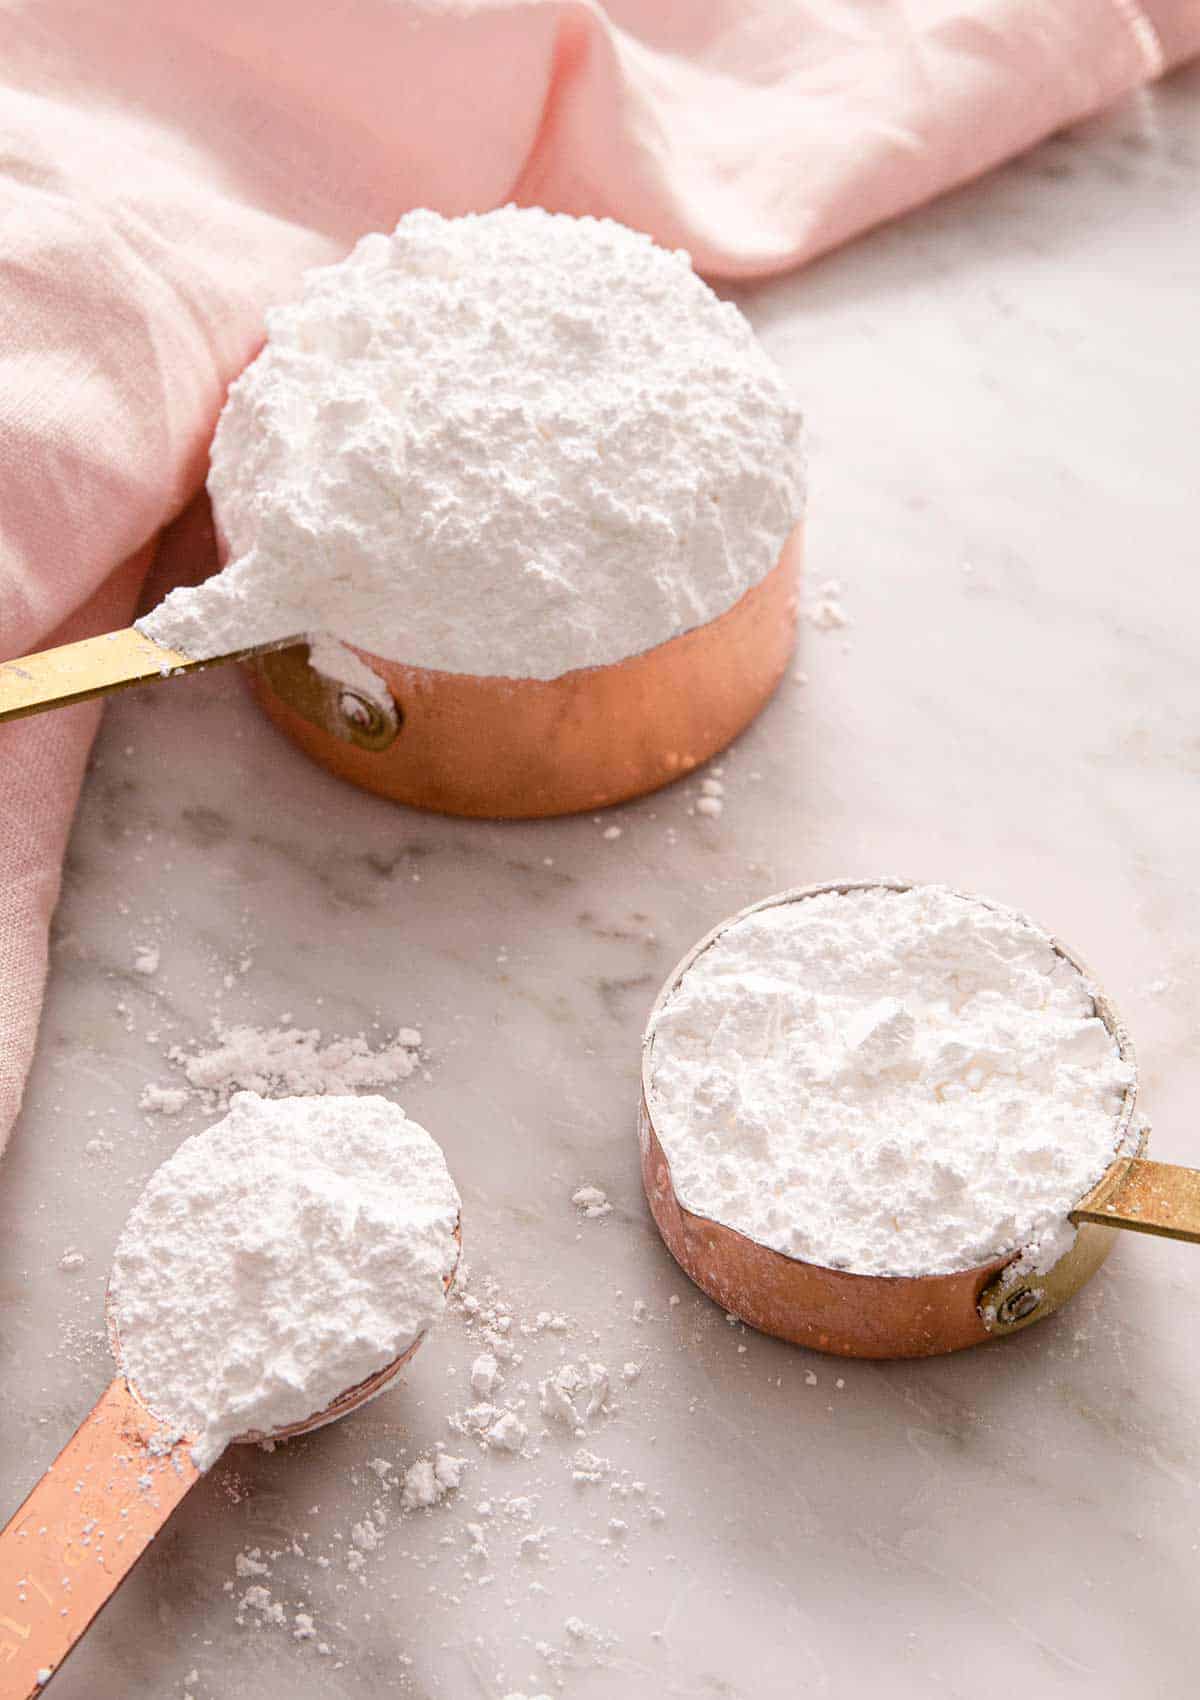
column 167, row 171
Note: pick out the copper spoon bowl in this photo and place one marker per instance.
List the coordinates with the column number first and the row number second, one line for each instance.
column 882, row 1316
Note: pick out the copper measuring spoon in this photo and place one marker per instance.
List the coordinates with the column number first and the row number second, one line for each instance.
column 895, row 1316
column 469, row 744
column 96, row 1510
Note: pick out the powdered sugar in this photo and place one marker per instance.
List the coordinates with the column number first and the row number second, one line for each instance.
column 283, row 1060
column 519, row 1522
column 427, row 1482
column 825, row 610
column 146, row 959
column 591, row 1202
column 485, row 1375
column 326, row 655
column 886, row 1082
column 574, row 1394
column 278, row 1259
column 163, row 1100
column 506, row 1431
column 516, row 443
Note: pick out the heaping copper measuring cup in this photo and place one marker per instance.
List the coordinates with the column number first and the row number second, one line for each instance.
column 465, row 744
column 93, row 1514
column 891, row 1316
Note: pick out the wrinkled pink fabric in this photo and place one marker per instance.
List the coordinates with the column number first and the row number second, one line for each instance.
column 168, row 171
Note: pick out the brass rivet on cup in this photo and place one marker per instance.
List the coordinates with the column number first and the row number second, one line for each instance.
column 359, row 712
column 1017, row 1306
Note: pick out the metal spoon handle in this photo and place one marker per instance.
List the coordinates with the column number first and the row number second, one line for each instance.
column 98, row 665
column 79, row 1534
column 1146, row 1197
column 91, row 668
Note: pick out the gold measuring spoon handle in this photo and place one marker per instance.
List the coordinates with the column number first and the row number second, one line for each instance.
column 96, row 1510
column 80, row 1532
column 94, row 1513
column 92, row 668
column 1146, row 1197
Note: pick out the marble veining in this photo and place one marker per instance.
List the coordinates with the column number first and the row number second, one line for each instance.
column 1003, row 427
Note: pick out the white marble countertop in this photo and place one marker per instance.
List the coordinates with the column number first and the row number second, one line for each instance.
column 1003, row 428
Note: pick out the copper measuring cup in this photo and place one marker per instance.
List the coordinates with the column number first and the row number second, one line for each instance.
column 96, row 1510
column 466, row 744
column 893, row 1316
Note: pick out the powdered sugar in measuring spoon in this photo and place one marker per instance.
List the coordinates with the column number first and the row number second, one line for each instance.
column 891, row 1120
column 277, row 1271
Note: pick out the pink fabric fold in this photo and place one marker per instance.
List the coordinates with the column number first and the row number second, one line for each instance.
column 168, row 171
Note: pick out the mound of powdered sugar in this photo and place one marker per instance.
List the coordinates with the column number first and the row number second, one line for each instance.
column 277, row 1259
column 514, row 443
column 893, row 1083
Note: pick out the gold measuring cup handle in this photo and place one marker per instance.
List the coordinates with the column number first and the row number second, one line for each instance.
column 80, row 1532
column 90, row 668
column 1134, row 1192
column 1146, row 1197
column 114, row 661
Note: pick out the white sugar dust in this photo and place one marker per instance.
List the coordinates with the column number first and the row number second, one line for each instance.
column 277, row 1260
column 887, row 1082
column 513, row 444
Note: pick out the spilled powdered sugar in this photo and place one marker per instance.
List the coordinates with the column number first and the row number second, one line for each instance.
column 272, row 1061
column 824, row 608
column 489, row 1501
column 591, row 1202
column 427, row 1482
column 514, row 443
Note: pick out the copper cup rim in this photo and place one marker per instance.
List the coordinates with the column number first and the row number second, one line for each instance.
column 345, row 1402
column 1126, row 1136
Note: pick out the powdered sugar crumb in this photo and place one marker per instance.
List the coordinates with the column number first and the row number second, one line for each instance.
column 592, row 1202
column 826, row 611
column 164, row 1100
